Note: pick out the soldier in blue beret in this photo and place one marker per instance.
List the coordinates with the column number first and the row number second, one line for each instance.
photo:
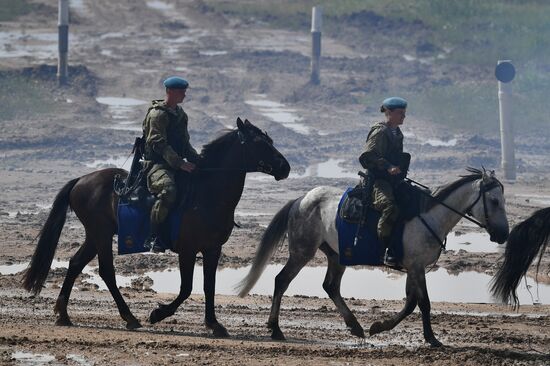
column 386, row 166
column 167, row 150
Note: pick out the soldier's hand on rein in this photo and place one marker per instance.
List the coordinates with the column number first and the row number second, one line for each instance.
column 187, row 166
column 394, row 170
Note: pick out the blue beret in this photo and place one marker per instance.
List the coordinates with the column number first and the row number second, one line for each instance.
column 394, row 102
column 175, row 82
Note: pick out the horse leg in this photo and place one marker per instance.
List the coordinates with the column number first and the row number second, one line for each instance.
column 81, row 258
column 187, row 266
column 425, row 307
column 331, row 284
column 210, row 264
column 107, row 274
column 292, row 267
column 410, row 304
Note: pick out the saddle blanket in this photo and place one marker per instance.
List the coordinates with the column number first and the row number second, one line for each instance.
column 367, row 250
column 134, row 226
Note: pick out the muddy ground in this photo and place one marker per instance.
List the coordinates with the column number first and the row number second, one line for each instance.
column 229, row 62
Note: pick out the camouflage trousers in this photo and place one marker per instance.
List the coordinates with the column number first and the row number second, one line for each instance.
column 161, row 183
column 384, row 201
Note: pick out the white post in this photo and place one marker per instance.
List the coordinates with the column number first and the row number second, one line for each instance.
column 63, row 29
column 316, row 23
column 506, row 129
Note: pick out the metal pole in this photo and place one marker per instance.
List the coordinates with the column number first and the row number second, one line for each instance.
column 316, row 23
column 506, row 129
column 63, row 28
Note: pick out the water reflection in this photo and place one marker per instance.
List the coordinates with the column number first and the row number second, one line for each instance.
column 279, row 113
column 328, row 169
column 361, row 283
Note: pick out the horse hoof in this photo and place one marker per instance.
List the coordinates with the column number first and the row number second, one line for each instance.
column 134, row 324
column 277, row 335
column 376, row 328
column 435, row 343
column 63, row 322
column 358, row 331
column 156, row 316
column 220, row 332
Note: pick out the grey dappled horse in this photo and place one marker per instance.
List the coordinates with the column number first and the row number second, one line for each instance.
column 310, row 224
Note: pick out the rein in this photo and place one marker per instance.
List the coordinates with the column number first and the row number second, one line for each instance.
column 467, row 215
column 468, row 212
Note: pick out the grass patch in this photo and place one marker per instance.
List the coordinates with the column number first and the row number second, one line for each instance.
column 11, row 9
column 22, row 96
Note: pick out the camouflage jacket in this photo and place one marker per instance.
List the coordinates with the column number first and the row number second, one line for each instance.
column 166, row 136
column 383, row 149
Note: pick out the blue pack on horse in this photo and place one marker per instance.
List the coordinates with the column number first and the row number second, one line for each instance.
column 357, row 222
column 205, row 226
column 310, row 225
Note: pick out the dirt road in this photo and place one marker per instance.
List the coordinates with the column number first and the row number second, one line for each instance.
column 235, row 69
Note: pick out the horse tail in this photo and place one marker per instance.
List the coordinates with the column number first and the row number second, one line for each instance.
column 35, row 275
column 273, row 236
column 526, row 240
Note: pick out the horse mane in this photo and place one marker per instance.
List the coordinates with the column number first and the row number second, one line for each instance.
column 442, row 192
column 211, row 151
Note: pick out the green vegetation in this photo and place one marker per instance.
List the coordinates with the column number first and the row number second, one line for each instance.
column 11, row 9
column 22, row 96
column 487, row 29
column 474, row 33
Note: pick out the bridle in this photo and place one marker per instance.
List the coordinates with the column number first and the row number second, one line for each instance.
column 249, row 166
column 467, row 214
column 483, row 189
column 261, row 166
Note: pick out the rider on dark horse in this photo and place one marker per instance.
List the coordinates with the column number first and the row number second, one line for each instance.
column 167, row 151
column 383, row 159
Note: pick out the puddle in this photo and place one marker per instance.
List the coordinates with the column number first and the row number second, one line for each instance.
column 328, row 169
column 28, row 358
column 365, row 283
column 536, row 198
column 473, row 242
column 362, row 283
column 42, row 46
column 79, row 360
column 124, row 111
column 117, row 162
column 277, row 112
column 440, row 143
column 78, row 5
column 94, row 278
column 159, row 5
column 212, row 53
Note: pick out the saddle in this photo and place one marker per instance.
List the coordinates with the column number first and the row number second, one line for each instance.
column 135, row 203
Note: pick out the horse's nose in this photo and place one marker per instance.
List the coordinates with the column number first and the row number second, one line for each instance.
column 499, row 235
column 283, row 169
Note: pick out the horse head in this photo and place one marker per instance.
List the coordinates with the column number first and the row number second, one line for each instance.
column 259, row 153
column 489, row 207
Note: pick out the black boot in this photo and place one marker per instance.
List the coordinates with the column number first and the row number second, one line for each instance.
column 388, row 258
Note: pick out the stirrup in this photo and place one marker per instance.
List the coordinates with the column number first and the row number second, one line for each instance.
column 154, row 244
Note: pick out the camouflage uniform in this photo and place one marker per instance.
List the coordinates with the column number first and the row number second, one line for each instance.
column 383, row 150
column 166, row 146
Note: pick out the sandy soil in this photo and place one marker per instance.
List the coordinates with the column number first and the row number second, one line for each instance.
column 228, row 63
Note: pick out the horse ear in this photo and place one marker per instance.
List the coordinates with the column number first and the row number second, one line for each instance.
column 247, row 122
column 240, row 124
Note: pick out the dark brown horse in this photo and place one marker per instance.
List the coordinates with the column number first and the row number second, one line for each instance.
column 205, row 227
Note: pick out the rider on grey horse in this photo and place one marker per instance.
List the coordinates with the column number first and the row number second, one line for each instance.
column 383, row 159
